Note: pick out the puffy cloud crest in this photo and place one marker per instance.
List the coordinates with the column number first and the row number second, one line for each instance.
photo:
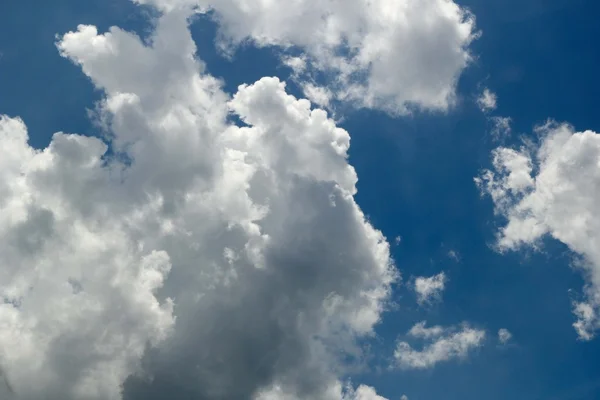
column 553, row 189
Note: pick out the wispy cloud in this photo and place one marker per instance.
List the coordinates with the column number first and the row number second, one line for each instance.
column 441, row 345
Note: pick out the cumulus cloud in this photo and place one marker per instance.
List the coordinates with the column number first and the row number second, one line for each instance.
column 441, row 345
column 383, row 54
column 504, row 336
column 317, row 95
column 430, row 289
column 487, row 100
column 196, row 257
column 552, row 189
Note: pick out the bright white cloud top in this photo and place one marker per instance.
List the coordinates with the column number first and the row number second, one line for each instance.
column 385, row 54
column 429, row 289
column 441, row 345
column 237, row 253
column 552, row 189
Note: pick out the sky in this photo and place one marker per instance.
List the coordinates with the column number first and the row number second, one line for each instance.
column 261, row 200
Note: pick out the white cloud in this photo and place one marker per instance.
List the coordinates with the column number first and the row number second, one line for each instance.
column 366, row 393
column 504, row 335
column 382, row 54
column 253, row 232
column 553, row 190
column 431, row 288
column 419, row 330
column 487, row 100
column 442, row 345
column 363, row 392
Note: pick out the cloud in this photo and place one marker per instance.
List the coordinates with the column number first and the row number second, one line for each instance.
column 552, row 189
column 419, row 330
column 77, row 344
column 501, row 128
column 380, row 54
column 431, row 288
column 320, row 96
column 454, row 255
column 504, row 336
column 487, row 100
column 364, row 392
column 196, row 257
column 441, row 345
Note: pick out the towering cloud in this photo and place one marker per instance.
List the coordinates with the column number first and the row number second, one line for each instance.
column 197, row 257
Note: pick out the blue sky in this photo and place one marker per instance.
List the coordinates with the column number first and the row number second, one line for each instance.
column 415, row 182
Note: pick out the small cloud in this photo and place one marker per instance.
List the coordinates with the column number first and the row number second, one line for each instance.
column 504, row 336
column 455, row 255
column 430, row 289
column 443, row 344
column 487, row 100
column 404, row 397
column 397, row 240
